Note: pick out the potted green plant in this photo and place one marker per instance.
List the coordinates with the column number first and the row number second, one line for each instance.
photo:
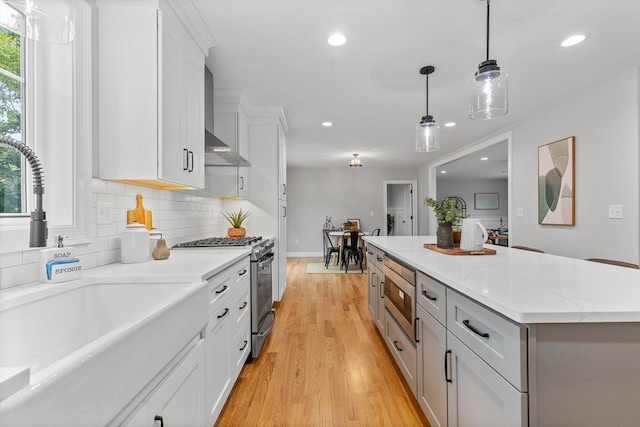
column 447, row 213
column 236, row 219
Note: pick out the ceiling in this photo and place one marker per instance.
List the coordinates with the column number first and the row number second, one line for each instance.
column 371, row 89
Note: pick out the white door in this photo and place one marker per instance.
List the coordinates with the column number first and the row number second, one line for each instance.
column 400, row 208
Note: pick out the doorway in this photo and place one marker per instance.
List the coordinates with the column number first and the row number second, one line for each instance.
column 461, row 163
column 399, row 201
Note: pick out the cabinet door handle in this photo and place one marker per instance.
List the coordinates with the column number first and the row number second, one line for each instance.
column 191, row 161
column 243, row 272
column 415, row 329
column 284, row 189
column 243, row 306
column 245, row 345
column 381, row 289
column 446, row 366
column 224, row 288
column 474, row 330
column 185, row 162
column 285, row 212
column 158, row 418
column 428, row 297
column 242, row 182
column 395, row 344
column 226, row 311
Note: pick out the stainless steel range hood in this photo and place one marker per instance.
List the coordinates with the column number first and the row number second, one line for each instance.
column 216, row 152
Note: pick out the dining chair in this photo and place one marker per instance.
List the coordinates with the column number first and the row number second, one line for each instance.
column 330, row 249
column 526, row 248
column 375, row 232
column 614, row 262
column 353, row 251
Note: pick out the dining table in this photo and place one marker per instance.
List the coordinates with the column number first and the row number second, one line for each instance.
column 342, row 238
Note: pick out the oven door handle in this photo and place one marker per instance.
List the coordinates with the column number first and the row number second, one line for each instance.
column 265, row 333
column 267, row 259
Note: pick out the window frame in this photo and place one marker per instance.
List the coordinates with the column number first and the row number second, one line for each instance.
column 14, row 231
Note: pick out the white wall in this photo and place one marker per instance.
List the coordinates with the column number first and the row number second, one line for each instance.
column 604, row 121
column 340, row 193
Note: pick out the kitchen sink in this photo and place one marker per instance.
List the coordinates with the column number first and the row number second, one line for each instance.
column 91, row 346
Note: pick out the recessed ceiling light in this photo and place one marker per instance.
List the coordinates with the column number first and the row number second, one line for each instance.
column 327, row 124
column 337, row 39
column 573, row 40
column 484, row 158
column 450, row 124
column 443, row 171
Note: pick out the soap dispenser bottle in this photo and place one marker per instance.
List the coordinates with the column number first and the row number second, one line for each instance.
column 59, row 264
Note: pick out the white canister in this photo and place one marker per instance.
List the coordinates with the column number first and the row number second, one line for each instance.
column 134, row 244
column 473, row 235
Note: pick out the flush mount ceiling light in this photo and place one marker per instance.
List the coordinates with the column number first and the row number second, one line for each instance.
column 327, row 124
column 337, row 39
column 573, row 40
column 355, row 162
column 489, row 88
column 427, row 129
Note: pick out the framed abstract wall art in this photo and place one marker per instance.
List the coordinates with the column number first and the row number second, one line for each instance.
column 556, row 182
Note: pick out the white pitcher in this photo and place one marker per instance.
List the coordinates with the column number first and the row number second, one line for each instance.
column 473, row 235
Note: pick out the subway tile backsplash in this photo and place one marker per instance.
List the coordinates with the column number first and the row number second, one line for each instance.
column 180, row 216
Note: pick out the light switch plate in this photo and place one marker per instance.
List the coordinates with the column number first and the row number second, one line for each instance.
column 615, row 211
column 519, row 212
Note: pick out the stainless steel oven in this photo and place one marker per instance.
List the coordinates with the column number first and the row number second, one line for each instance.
column 262, row 312
column 400, row 294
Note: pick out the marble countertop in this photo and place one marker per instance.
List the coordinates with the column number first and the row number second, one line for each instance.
column 525, row 286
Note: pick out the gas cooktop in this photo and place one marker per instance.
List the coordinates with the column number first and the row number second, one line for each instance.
column 213, row 242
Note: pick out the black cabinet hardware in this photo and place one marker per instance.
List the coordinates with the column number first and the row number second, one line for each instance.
column 474, row 330
column 243, row 306
column 446, row 366
column 395, row 344
column 245, row 345
column 226, row 311
column 224, row 288
column 158, row 418
column 429, row 297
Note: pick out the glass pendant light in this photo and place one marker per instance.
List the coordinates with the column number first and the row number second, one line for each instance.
column 489, row 88
column 427, row 130
column 355, row 162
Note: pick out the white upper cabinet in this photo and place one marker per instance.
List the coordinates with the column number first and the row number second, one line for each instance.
column 151, row 89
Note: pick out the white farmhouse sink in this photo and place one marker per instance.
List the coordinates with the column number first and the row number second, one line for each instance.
column 91, row 347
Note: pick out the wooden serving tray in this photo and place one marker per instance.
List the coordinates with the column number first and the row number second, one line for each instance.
column 457, row 250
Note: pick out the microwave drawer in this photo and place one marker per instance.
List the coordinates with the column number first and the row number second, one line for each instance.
column 432, row 296
column 500, row 342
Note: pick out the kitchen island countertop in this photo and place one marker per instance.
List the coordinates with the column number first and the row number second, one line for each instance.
column 527, row 287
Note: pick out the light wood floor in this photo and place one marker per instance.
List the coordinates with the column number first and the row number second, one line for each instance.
column 324, row 364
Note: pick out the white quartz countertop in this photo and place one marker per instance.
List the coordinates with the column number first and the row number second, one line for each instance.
column 183, row 265
column 525, row 286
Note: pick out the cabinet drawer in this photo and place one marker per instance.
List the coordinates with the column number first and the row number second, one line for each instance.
column 241, row 348
column 242, row 303
column 432, row 296
column 498, row 341
column 240, row 271
column 403, row 351
column 220, row 290
column 374, row 256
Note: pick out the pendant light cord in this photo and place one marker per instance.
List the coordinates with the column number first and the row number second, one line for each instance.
column 488, row 29
column 427, row 91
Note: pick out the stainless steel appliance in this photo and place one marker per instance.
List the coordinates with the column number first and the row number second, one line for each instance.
column 400, row 294
column 262, row 312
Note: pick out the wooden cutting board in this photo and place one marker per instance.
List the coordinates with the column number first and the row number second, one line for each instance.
column 458, row 251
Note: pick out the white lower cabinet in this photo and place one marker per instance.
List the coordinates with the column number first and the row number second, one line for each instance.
column 375, row 285
column 403, row 351
column 432, row 384
column 180, row 399
column 478, row 395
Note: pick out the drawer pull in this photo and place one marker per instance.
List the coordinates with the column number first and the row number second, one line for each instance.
column 378, row 258
column 474, row 330
column 381, row 289
column 426, row 295
column 243, row 306
column 415, row 329
column 243, row 272
column 224, row 288
column 370, row 253
column 446, row 366
column 245, row 345
column 226, row 311
column 158, row 418
column 395, row 344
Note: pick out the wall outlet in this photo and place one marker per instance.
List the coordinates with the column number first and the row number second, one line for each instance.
column 371, row 213
column 104, row 213
column 615, row 211
column 519, row 212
